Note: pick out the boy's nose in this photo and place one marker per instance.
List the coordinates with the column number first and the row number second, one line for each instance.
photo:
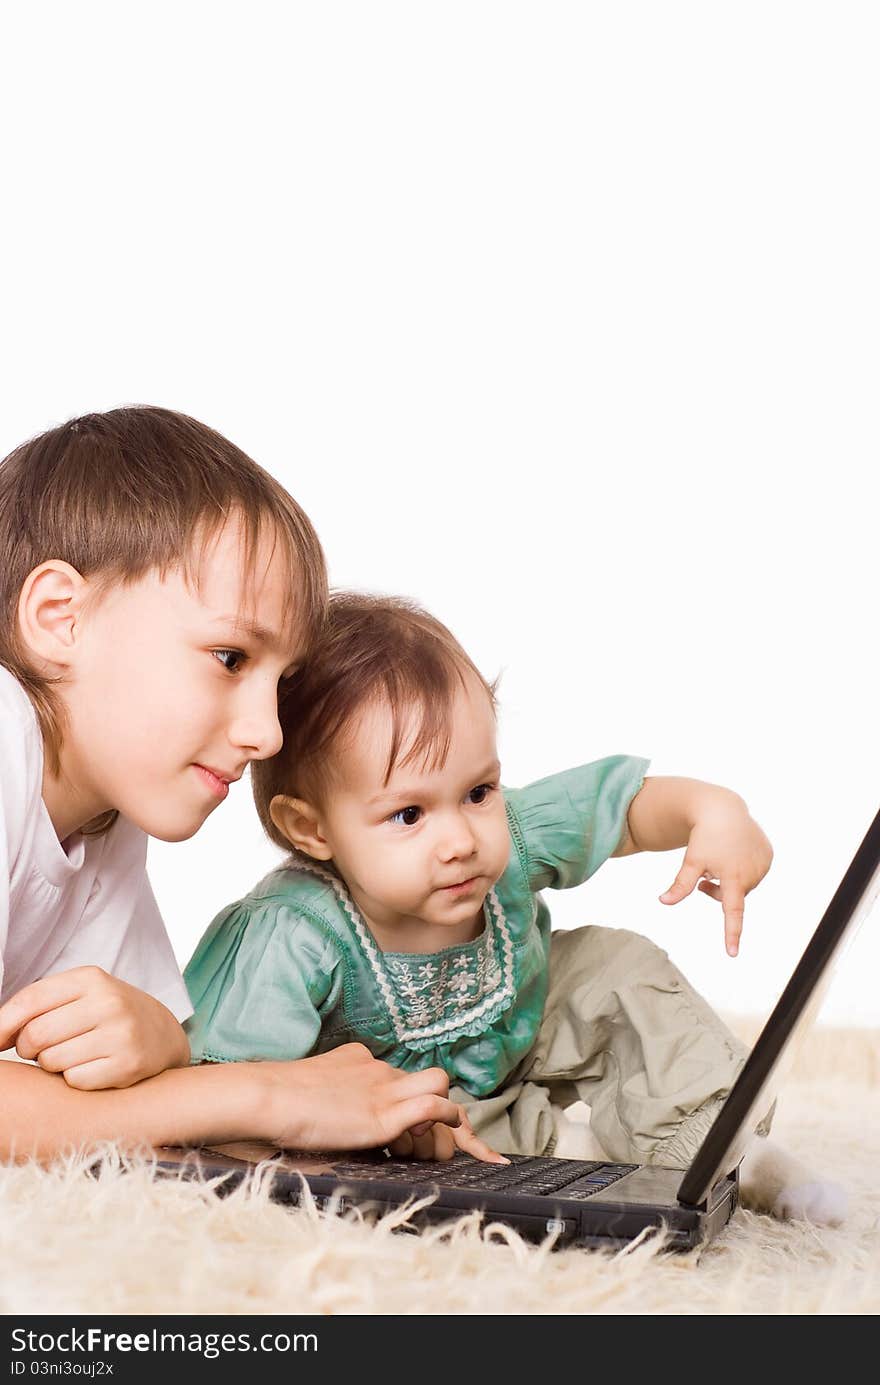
column 258, row 730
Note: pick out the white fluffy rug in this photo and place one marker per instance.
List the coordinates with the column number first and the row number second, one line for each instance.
column 129, row 1243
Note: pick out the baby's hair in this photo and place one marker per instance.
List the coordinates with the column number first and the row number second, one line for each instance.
column 122, row 493
column 372, row 649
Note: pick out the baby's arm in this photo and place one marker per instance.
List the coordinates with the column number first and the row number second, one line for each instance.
column 344, row 1099
column 94, row 1028
column 727, row 852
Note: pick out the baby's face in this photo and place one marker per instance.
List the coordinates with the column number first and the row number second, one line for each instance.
column 420, row 853
column 174, row 689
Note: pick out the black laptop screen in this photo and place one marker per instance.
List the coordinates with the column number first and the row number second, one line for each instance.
column 752, row 1094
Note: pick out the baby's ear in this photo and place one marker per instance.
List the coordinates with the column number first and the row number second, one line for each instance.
column 298, row 821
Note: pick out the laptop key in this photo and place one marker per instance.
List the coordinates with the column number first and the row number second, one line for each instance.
column 596, row 1182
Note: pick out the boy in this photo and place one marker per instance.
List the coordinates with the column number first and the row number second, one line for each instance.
column 155, row 587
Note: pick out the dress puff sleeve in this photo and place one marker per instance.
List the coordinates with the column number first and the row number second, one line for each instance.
column 566, row 825
column 260, row 981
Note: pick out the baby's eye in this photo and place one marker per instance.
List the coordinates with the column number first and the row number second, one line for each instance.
column 480, row 793
column 407, row 817
column 233, row 660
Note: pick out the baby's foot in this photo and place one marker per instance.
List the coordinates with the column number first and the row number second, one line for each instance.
column 574, row 1138
column 823, row 1203
column 772, row 1180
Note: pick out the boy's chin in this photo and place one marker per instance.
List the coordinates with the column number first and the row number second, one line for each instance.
column 166, row 829
column 182, row 835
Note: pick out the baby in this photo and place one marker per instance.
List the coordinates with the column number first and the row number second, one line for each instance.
column 408, row 916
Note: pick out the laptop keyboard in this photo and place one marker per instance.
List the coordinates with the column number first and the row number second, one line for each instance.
column 533, row 1175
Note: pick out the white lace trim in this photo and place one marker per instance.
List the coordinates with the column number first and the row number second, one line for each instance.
column 499, row 980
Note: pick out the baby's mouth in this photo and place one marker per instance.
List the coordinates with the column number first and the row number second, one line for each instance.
column 461, row 886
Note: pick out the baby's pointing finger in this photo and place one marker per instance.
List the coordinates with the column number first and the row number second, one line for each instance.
column 733, row 904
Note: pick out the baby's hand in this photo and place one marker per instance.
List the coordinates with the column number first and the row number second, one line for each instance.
column 729, row 855
column 95, row 1029
column 441, row 1142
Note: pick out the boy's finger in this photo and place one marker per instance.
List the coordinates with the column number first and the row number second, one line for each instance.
column 53, row 1027
column 442, row 1143
column 46, row 994
column 471, row 1143
column 423, row 1146
column 403, row 1145
column 84, row 1048
column 425, row 1080
column 415, row 1111
column 683, row 883
column 93, row 1077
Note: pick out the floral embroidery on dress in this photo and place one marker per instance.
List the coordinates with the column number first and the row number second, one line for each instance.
column 444, row 993
column 443, row 996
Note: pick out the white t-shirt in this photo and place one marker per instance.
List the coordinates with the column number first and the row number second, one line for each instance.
column 91, row 904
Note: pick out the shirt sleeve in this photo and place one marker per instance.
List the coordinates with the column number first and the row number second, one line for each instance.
column 5, row 870
column 122, row 927
column 148, row 956
column 565, row 826
column 19, row 783
column 5, row 873
column 258, row 981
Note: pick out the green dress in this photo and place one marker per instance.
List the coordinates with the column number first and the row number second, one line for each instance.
column 292, row 969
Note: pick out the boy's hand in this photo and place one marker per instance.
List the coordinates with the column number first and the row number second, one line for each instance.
column 441, row 1142
column 347, row 1099
column 95, row 1029
column 729, row 855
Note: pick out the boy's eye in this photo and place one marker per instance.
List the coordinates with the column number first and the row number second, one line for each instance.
column 231, row 659
column 407, row 817
column 480, row 793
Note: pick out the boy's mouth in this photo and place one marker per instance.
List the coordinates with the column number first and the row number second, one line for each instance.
column 216, row 782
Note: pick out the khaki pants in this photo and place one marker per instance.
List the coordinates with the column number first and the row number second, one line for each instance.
column 624, row 1032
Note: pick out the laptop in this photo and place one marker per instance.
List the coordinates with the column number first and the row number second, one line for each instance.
column 576, row 1202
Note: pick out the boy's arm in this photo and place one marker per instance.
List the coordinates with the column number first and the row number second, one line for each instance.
column 724, row 844
column 344, row 1099
column 96, row 1029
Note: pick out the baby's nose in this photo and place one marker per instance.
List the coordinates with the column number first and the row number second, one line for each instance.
column 457, row 840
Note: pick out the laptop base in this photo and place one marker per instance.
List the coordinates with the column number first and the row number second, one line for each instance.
column 600, row 1207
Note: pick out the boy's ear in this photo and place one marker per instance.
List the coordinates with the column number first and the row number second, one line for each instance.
column 300, row 823
column 50, row 603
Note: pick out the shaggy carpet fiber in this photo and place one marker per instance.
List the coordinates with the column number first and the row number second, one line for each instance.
column 126, row 1241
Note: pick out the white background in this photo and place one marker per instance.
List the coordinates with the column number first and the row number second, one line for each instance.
column 560, row 318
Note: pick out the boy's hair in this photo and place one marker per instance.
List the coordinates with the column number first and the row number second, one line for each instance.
column 372, row 649
column 121, row 493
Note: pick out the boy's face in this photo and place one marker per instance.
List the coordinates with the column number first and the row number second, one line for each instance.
column 173, row 690
column 421, row 853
